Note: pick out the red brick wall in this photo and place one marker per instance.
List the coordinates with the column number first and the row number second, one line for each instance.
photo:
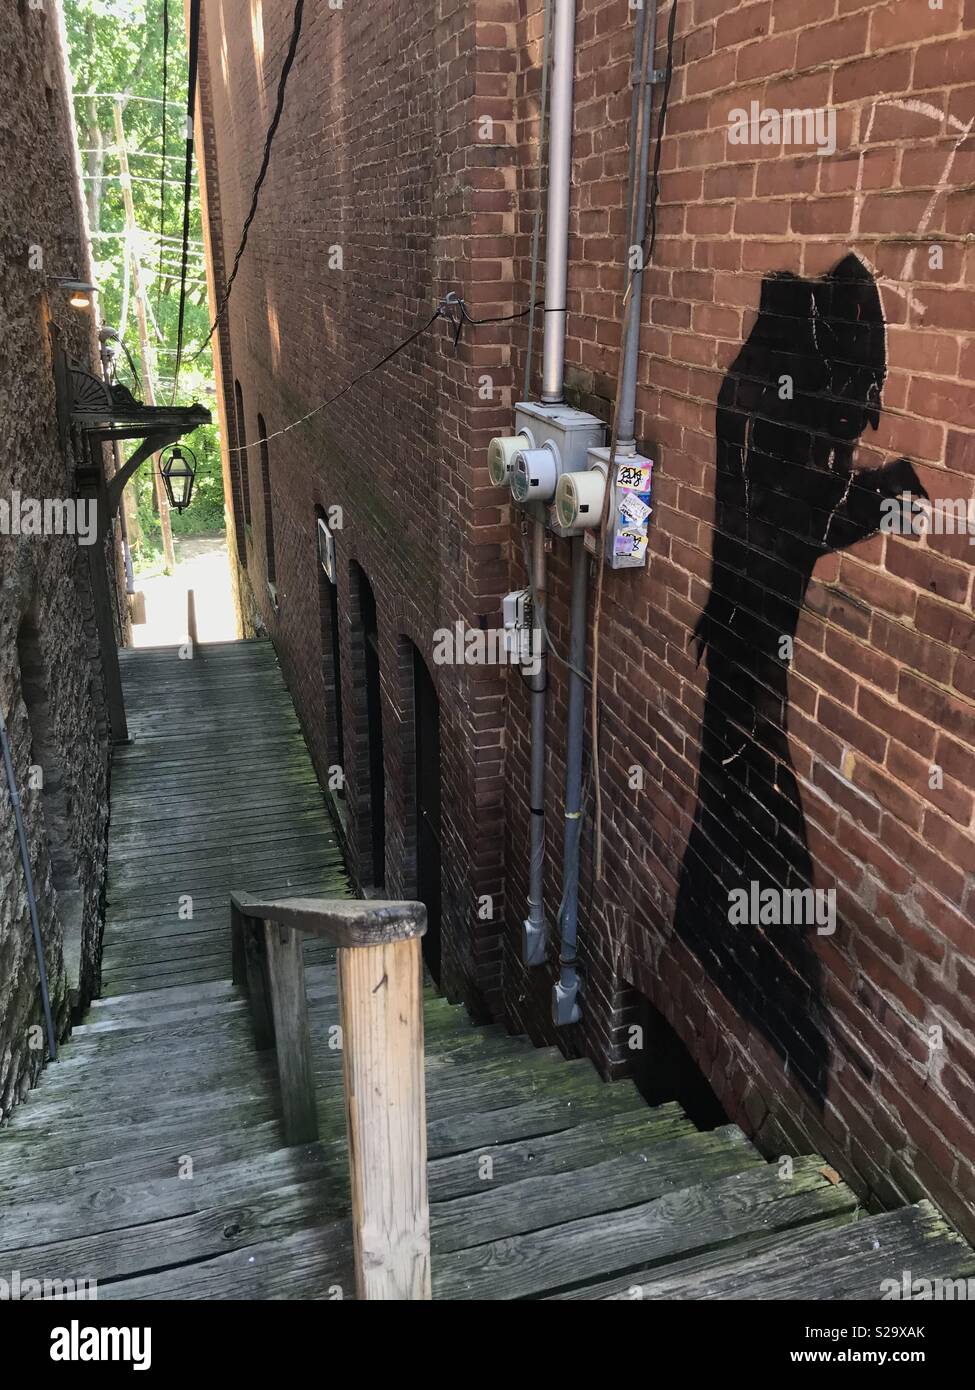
column 388, row 176
column 380, row 153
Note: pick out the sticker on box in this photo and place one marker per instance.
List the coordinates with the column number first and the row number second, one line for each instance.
column 634, row 509
column 637, row 479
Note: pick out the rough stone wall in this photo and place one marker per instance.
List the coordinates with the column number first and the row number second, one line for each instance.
column 49, row 674
column 860, row 749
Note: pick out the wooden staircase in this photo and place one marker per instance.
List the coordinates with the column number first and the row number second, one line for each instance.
column 151, row 1157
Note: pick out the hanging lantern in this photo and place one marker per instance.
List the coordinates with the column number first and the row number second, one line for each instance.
column 178, row 467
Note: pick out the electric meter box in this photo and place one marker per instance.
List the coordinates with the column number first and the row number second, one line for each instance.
column 572, row 432
column 517, row 614
column 629, row 508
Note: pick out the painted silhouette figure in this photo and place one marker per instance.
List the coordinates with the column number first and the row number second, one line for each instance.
column 790, row 413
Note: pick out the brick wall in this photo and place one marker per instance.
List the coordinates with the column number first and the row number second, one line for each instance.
column 853, row 769
column 331, row 281
column 50, row 676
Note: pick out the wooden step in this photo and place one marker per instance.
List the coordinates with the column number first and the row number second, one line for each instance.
column 314, row 1263
column 703, row 1217
column 593, row 1185
column 850, row 1262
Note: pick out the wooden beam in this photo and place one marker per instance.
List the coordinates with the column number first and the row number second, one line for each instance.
column 354, row 922
column 292, row 1039
column 382, row 1049
column 149, row 446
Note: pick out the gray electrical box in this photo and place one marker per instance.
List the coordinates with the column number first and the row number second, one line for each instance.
column 572, row 432
column 629, row 508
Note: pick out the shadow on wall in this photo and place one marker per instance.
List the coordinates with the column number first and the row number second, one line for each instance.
column 790, row 413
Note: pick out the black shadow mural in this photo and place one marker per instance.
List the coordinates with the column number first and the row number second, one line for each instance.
column 790, row 412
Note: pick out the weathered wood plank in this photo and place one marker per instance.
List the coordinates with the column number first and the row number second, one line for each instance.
column 548, row 1154
column 691, row 1219
column 180, row 1239
column 606, row 1185
column 311, row 1264
column 849, row 1262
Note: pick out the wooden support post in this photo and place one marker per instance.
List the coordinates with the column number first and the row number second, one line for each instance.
column 257, row 985
column 92, row 489
column 382, row 1049
column 191, row 617
column 238, row 953
column 292, row 1038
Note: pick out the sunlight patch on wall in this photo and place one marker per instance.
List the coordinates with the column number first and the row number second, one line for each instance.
column 275, row 332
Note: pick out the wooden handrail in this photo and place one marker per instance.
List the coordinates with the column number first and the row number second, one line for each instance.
column 381, row 1003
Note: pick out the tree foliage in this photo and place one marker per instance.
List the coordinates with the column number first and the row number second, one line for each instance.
column 116, row 56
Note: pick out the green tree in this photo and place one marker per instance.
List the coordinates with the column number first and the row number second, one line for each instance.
column 116, row 56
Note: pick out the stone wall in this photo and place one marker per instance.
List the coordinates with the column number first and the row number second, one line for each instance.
column 50, row 683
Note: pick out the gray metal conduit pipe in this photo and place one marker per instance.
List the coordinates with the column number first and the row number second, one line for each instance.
column 535, row 944
column 557, row 212
column 642, row 97
column 534, row 950
column 565, row 1002
column 565, row 994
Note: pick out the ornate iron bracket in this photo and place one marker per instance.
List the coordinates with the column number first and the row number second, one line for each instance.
column 94, row 412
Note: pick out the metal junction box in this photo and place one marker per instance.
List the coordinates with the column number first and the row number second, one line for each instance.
column 572, row 432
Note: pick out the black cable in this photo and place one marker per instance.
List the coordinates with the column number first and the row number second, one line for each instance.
column 132, row 367
column 162, row 170
column 262, row 173
column 393, row 352
column 501, row 318
column 651, row 227
column 453, row 309
column 194, row 55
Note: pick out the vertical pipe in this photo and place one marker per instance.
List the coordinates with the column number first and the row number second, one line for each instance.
column 557, row 213
column 565, row 1007
column 106, row 359
column 643, row 99
column 535, row 942
column 537, row 220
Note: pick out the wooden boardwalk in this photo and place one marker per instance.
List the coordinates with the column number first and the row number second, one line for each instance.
column 151, row 1158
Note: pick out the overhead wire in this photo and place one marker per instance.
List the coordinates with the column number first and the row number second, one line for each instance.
column 368, row 371
column 162, row 162
column 452, row 308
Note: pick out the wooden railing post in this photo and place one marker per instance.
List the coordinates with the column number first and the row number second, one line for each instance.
column 289, row 1005
column 250, row 972
column 380, row 989
column 381, row 1000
